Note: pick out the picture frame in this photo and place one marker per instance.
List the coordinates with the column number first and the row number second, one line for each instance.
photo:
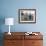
column 27, row 15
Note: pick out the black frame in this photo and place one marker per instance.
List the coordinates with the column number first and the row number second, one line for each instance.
column 27, row 10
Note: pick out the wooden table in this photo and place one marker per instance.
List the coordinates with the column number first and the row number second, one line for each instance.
column 20, row 39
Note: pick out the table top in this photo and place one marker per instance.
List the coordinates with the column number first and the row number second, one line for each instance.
column 22, row 35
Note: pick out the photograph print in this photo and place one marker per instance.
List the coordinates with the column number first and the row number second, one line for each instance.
column 27, row 15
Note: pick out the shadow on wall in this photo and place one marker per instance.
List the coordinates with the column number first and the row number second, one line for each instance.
column 2, row 21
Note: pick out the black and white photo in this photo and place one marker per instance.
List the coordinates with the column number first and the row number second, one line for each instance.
column 27, row 15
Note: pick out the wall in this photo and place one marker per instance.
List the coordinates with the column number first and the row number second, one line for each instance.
column 9, row 8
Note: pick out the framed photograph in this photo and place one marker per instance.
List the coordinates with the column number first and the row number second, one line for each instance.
column 27, row 15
